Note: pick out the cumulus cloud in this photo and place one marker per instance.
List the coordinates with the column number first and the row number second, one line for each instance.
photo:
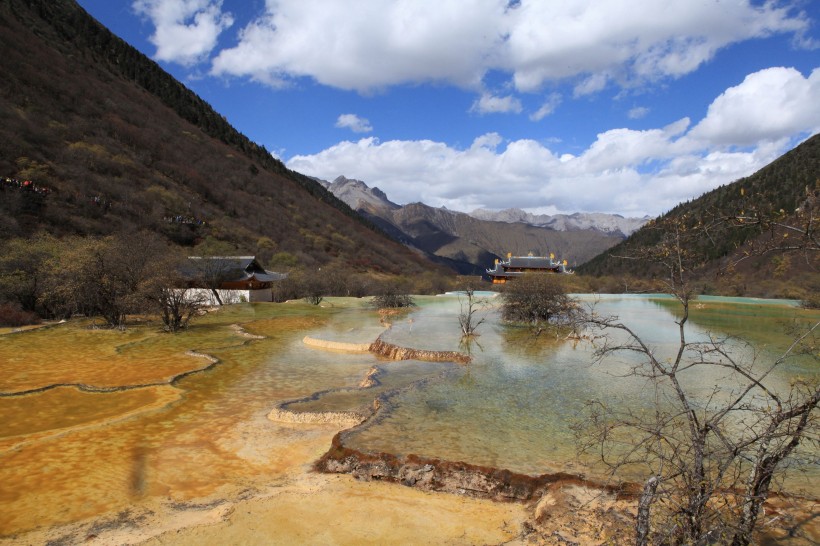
column 768, row 105
column 186, row 31
column 523, row 47
column 626, row 148
column 491, row 141
column 491, row 104
column 354, row 123
column 591, row 84
column 624, row 170
column 381, row 44
column 608, row 40
column 375, row 45
column 608, row 177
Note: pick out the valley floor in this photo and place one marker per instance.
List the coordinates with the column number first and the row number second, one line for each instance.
column 298, row 506
column 225, row 473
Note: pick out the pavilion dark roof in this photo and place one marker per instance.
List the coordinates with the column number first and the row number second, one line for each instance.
column 229, row 269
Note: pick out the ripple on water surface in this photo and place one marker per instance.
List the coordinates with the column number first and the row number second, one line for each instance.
column 512, row 407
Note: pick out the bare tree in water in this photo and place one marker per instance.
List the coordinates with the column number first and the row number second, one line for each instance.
column 473, row 311
column 709, row 457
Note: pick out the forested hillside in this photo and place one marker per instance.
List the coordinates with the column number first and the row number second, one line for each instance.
column 728, row 259
column 113, row 144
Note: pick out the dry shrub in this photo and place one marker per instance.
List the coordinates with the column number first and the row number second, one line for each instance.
column 11, row 314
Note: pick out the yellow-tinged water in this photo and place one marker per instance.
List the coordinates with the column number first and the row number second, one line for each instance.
column 68, row 454
column 49, row 412
column 77, row 354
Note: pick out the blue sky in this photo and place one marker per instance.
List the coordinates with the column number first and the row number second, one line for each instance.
column 623, row 106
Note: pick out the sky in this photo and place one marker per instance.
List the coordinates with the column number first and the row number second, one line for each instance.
column 551, row 106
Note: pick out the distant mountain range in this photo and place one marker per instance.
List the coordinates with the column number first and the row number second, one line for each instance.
column 593, row 243
column 469, row 243
column 613, row 224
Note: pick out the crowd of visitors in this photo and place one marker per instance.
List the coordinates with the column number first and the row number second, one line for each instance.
column 180, row 219
column 23, row 185
column 9, row 183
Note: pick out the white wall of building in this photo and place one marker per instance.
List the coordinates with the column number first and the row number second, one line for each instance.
column 232, row 296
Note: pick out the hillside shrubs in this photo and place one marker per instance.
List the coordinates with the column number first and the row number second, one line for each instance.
column 392, row 295
column 125, row 147
column 812, row 301
column 110, row 277
column 734, row 222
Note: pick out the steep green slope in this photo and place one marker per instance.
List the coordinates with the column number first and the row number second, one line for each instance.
column 119, row 145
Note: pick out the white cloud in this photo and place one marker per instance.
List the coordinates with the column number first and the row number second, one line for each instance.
column 768, row 105
column 490, row 141
column 375, row 45
column 592, row 84
column 638, row 112
column 526, row 174
column 354, row 123
column 547, row 108
column 589, row 45
column 626, row 148
column 186, row 31
column 491, row 104
column 624, row 170
column 619, row 40
column 381, row 44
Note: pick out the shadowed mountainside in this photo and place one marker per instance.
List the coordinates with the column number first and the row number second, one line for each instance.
column 119, row 145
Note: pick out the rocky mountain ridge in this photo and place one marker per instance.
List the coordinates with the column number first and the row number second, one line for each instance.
column 469, row 244
column 614, row 224
column 358, row 195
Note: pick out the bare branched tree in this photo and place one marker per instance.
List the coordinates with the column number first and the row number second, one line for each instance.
column 313, row 286
column 708, row 457
column 210, row 272
column 177, row 306
column 23, row 273
column 104, row 277
column 392, row 295
column 167, row 292
column 473, row 311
